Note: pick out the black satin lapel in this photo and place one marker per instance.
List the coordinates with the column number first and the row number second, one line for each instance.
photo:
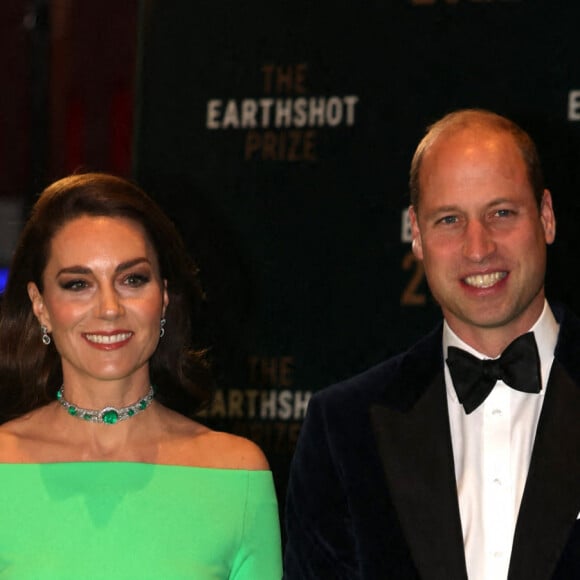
column 416, row 452
column 551, row 500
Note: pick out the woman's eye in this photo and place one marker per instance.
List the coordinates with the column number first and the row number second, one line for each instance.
column 136, row 280
column 74, row 285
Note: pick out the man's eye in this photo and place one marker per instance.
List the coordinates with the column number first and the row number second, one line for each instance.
column 504, row 212
column 448, row 219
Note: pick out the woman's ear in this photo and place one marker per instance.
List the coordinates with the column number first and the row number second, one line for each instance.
column 38, row 305
column 165, row 298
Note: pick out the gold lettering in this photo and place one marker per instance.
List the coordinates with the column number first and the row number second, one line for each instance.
column 235, row 403
column 300, row 78
column 286, row 370
column 284, row 79
column 410, row 296
column 293, row 145
column 271, row 371
column 269, row 146
column 268, row 70
column 253, row 143
column 272, row 436
column 310, row 145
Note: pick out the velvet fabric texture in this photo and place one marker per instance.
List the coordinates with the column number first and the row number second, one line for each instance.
column 372, row 491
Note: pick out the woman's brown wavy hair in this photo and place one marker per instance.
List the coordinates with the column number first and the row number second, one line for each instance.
column 30, row 372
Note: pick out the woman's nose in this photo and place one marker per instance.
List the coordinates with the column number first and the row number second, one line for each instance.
column 110, row 305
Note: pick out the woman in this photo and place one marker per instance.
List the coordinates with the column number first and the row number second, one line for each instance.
column 101, row 474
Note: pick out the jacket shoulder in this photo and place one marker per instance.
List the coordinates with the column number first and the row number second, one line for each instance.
column 397, row 381
column 568, row 346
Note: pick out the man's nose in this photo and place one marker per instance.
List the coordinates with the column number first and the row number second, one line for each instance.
column 478, row 242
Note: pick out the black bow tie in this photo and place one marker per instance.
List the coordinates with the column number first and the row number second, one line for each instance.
column 473, row 378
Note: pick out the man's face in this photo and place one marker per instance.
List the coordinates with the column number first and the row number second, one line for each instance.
column 480, row 234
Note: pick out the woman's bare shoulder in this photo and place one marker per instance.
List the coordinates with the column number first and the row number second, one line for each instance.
column 203, row 447
column 234, row 452
column 170, row 439
column 12, row 436
column 195, row 444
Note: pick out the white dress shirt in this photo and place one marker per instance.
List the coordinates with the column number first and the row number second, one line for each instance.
column 492, row 447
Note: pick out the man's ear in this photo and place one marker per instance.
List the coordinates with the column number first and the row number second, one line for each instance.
column 38, row 305
column 547, row 217
column 416, row 244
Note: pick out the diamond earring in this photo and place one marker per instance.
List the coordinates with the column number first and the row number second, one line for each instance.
column 46, row 340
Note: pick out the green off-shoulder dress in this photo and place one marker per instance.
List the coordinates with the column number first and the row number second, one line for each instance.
column 137, row 521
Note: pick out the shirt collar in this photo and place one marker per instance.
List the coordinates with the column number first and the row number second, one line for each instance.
column 545, row 331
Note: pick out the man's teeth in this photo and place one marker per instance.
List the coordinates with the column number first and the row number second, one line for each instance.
column 485, row 280
column 108, row 339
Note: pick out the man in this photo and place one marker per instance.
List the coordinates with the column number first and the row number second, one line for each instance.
column 437, row 464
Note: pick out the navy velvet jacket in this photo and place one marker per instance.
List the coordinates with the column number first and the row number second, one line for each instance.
column 372, row 491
